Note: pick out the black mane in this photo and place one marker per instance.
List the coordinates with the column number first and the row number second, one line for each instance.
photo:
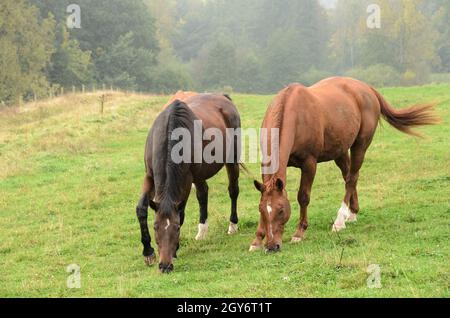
column 180, row 116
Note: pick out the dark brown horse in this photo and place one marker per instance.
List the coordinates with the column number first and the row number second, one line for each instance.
column 168, row 182
column 318, row 124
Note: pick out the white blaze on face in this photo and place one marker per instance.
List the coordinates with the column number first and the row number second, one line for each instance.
column 168, row 224
column 269, row 210
column 271, row 231
column 269, row 206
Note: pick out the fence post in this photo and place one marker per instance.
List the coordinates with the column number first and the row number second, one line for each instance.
column 62, row 90
column 82, row 88
column 102, row 103
column 73, row 89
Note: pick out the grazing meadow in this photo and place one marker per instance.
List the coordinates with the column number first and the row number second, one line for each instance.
column 70, row 178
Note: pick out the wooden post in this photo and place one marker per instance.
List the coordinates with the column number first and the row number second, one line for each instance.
column 103, row 87
column 73, row 89
column 34, row 97
column 93, row 88
column 102, row 103
column 62, row 90
column 82, row 88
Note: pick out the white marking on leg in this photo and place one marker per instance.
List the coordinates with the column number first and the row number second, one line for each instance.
column 202, row 231
column 296, row 240
column 343, row 214
column 168, row 224
column 352, row 218
column 232, row 228
column 254, row 248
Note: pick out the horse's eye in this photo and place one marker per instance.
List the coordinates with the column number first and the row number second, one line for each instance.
column 155, row 227
column 178, row 228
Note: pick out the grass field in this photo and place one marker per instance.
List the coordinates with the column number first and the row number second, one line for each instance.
column 70, row 179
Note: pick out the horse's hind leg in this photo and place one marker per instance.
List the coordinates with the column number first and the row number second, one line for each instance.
column 142, row 214
column 233, row 190
column 350, row 206
column 202, row 197
column 344, row 164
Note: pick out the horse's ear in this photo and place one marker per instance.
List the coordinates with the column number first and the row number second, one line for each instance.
column 259, row 186
column 154, row 205
column 280, row 184
column 178, row 206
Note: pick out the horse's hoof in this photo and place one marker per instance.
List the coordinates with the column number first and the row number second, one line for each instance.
column 254, row 248
column 232, row 229
column 352, row 218
column 296, row 240
column 150, row 260
column 338, row 227
column 202, row 231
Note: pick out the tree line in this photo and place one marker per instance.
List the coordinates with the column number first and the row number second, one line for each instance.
column 252, row 46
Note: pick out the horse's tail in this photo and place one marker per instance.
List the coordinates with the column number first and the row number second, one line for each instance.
column 405, row 119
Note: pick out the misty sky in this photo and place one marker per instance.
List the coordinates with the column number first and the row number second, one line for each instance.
column 329, row 3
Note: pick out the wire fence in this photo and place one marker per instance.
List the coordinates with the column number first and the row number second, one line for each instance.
column 54, row 92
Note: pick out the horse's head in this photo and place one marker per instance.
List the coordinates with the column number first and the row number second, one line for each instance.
column 275, row 211
column 167, row 233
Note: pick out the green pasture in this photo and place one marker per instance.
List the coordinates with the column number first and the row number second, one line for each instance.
column 70, row 178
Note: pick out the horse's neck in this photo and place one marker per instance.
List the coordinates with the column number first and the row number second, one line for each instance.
column 285, row 148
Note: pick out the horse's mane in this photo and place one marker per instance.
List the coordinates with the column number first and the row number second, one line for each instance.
column 276, row 113
column 276, row 110
column 180, row 116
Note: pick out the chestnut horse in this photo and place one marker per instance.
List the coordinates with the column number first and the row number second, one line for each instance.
column 318, row 124
column 168, row 182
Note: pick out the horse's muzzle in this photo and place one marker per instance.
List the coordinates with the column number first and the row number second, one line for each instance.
column 165, row 268
column 274, row 248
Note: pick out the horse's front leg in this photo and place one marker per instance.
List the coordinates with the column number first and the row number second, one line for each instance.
column 309, row 168
column 181, row 210
column 202, row 197
column 258, row 243
column 233, row 190
column 142, row 215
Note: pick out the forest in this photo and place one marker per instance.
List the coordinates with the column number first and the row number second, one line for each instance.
column 252, row 46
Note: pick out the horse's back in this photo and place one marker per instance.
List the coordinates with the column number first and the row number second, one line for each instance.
column 215, row 110
column 181, row 96
column 331, row 115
